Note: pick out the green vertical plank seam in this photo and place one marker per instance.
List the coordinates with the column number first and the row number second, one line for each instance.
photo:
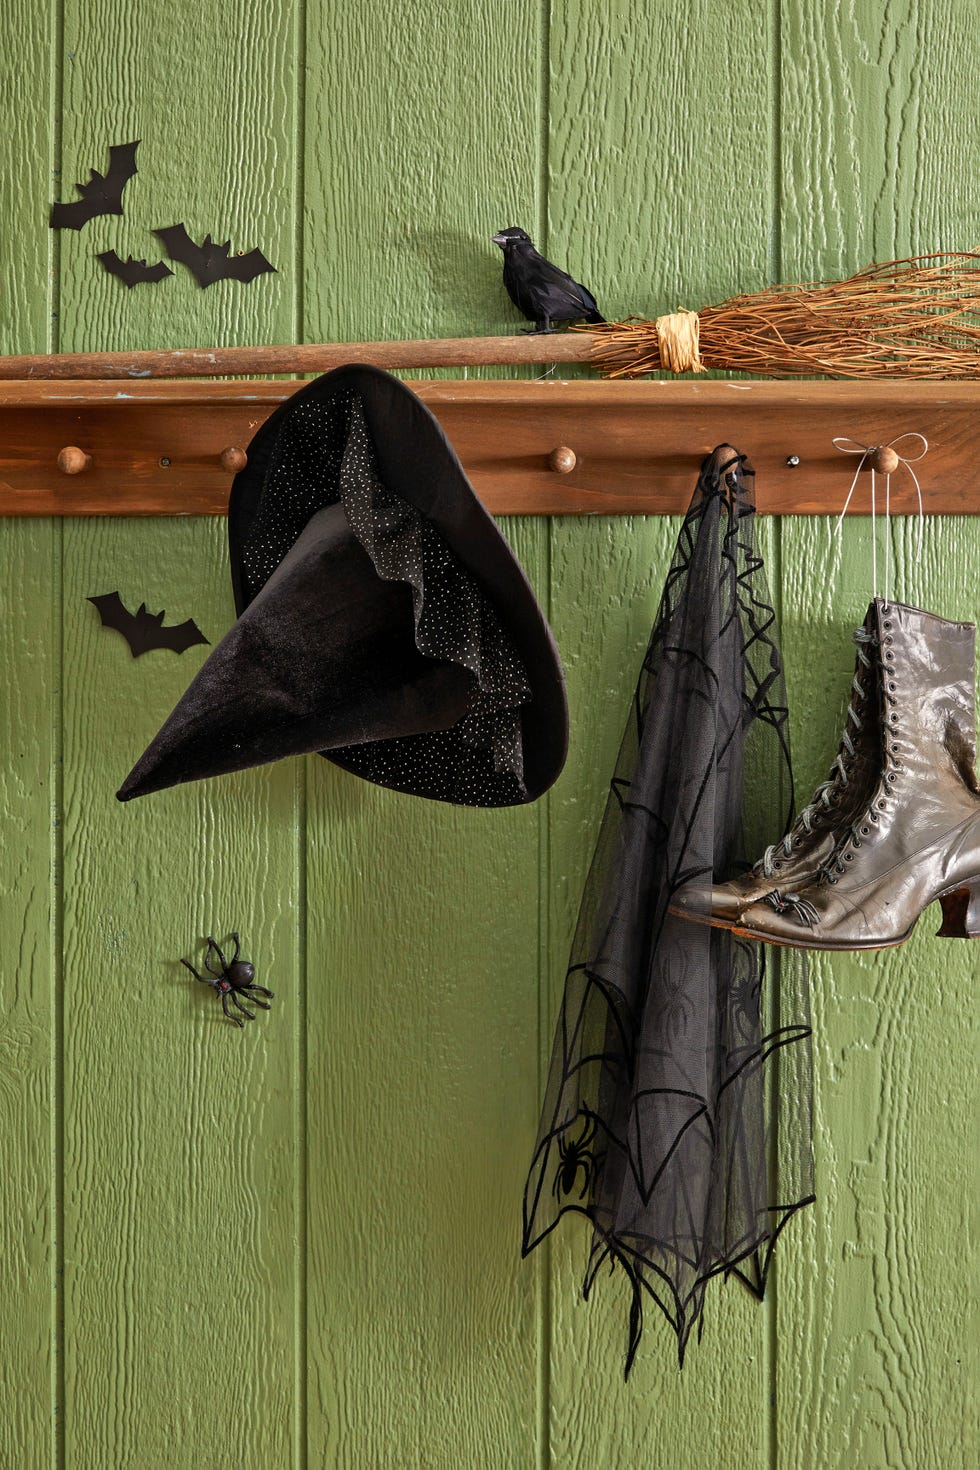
column 775, row 141
column 52, row 335
column 52, row 327
column 300, row 1172
column 776, row 592
column 300, row 1058
column 543, row 1250
column 544, row 123
column 57, row 1075
column 299, row 176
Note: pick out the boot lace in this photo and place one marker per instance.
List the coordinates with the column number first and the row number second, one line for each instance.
column 865, row 825
column 826, row 793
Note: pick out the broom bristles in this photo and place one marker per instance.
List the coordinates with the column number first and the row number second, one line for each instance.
column 915, row 318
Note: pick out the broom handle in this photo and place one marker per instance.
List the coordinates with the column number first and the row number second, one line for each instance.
column 218, row 362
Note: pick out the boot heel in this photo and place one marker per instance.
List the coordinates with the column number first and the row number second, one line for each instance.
column 961, row 911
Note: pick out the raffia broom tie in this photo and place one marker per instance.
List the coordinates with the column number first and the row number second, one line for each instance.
column 678, row 337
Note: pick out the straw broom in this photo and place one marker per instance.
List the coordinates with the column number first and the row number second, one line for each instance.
column 915, row 318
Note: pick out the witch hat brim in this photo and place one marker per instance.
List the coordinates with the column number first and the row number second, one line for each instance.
column 384, row 622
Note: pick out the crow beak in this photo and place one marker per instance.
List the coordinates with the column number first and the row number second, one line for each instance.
column 500, row 240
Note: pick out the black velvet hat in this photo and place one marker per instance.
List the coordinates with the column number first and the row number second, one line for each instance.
column 383, row 621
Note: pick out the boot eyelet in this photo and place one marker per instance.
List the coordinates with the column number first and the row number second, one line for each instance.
column 865, row 831
column 887, row 625
column 890, row 657
column 893, row 717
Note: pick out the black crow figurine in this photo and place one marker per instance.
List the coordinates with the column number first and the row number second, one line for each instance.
column 539, row 289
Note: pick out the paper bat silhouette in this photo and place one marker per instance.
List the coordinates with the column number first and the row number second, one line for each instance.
column 209, row 261
column 102, row 194
column 133, row 272
column 143, row 630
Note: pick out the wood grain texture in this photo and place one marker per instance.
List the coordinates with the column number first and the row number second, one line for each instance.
column 876, row 1343
column 182, row 1271
column 179, row 1128
column 659, row 191
column 607, row 579
column 27, row 179
column 159, row 448
column 210, row 93
column 878, row 133
column 876, row 1347
column 423, row 953
column 29, row 1288
column 317, row 1219
column 422, row 139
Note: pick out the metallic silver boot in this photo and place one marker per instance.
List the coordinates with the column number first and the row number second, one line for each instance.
column 796, row 859
column 918, row 836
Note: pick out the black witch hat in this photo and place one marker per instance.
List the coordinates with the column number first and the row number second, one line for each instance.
column 383, row 621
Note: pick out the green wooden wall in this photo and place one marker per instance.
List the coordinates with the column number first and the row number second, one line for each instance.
column 298, row 1245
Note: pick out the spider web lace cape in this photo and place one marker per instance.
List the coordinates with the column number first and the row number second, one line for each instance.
column 677, row 1116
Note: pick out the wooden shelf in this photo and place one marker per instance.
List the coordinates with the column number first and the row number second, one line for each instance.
column 155, row 447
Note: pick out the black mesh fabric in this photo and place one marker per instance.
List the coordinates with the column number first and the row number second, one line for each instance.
column 677, row 1116
column 323, row 454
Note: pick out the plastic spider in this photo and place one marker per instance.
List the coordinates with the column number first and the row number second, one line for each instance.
column 574, row 1155
column 232, row 980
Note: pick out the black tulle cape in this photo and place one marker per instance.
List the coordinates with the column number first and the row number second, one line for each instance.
column 678, row 1110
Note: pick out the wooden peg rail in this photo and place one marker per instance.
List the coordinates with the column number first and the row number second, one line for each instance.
column 543, row 448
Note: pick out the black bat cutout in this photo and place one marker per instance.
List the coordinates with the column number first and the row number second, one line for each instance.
column 102, row 194
column 143, row 630
column 133, row 272
column 209, row 261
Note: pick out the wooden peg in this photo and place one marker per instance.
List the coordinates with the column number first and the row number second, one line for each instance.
column 72, row 460
column 562, row 460
column 233, row 459
column 883, row 460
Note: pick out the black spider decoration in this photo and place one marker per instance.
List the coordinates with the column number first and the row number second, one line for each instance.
column 574, row 1155
column 232, row 980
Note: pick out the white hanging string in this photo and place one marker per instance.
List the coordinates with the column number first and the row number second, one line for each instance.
column 852, row 446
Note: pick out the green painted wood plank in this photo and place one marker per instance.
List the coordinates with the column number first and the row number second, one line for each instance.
column 29, row 1286
column 607, row 580
column 28, row 1059
column 180, row 1265
column 877, row 1348
column 210, row 91
column 27, row 184
column 659, row 191
column 423, row 957
column 879, row 130
column 183, row 1136
column 422, row 140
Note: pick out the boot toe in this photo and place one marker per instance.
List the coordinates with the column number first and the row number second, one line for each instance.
column 716, row 903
